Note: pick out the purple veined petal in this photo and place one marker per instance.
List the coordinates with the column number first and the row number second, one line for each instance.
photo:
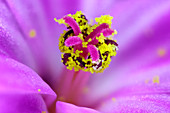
column 72, row 40
column 12, row 42
column 149, row 93
column 22, row 103
column 146, row 50
column 62, row 107
column 153, row 80
column 41, row 35
column 17, row 78
column 74, row 25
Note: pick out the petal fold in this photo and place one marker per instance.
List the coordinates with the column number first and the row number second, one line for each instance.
column 16, row 78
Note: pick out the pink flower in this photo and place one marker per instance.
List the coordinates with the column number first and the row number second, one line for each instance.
column 33, row 80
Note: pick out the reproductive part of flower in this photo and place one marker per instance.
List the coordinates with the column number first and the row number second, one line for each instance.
column 84, row 46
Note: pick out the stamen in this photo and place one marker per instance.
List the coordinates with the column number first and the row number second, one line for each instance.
column 93, row 53
column 73, row 40
column 107, row 32
column 87, row 47
column 73, row 24
column 95, row 32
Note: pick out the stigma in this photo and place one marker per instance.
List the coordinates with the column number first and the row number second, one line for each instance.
column 87, row 47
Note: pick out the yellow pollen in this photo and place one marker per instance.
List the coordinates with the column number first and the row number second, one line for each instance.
column 32, row 33
column 114, row 99
column 43, row 111
column 39, row 90
column 91, row 21
column 161, row 52
column 156, row 79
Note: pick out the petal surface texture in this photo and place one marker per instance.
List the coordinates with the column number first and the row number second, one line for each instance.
column 12, row 41
column 20, row 85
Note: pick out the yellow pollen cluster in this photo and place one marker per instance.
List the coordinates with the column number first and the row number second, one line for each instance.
column 74, row 58
column 104, row 19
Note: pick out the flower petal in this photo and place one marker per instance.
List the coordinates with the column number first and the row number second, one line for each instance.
column 41, row 34
column 148, row 81
column 133, row 57
column 62, row 107
column 16, row 78
column 146, row 103
column 12, row 41
column 22, row 103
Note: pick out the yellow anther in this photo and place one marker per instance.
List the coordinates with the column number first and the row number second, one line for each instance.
column 84, row 44
column 115, row 32
column 104, row 19
column 43, row 111
column 156, row 79
column 91, row 21
column 39, row 90
column 89, row 40
column 32, row 33
column 81, row 36
column 60, row 21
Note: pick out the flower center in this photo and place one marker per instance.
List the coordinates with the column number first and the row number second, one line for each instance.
column 87, row 47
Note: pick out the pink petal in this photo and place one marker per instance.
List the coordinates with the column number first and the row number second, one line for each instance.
column 17, row 78
column 12, row 41
column 22, row 103
column 93, row 52
column 62, row 107
column 74, row 25
column 29, row 16
column 145, row 103
column 72, row 40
